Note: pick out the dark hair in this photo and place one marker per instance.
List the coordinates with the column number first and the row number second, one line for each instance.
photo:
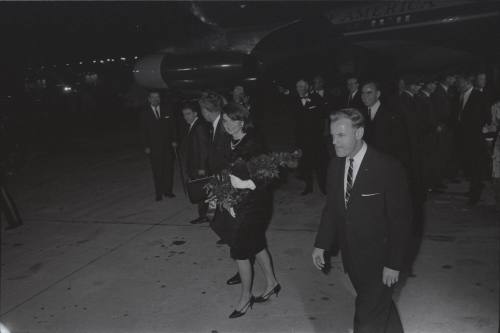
column 238, row 112
column 154, row 92
column 356, row 117
column 195, row 107
column 375, row 83
column 352, row 76
column 211, row 102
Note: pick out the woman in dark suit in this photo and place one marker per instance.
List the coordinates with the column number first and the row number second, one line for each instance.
column 248, row 220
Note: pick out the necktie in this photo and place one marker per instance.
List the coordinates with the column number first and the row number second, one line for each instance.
column 349, row 99
column 212, row 133
column 349, row 184
column 370, row 113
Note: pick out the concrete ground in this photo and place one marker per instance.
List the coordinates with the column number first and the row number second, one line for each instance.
column 97, row 254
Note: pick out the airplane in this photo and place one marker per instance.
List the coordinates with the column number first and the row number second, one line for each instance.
column 246, row 41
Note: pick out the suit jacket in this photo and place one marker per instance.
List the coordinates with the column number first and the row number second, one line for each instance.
column 388, row 134
column 219, row 149
column 309, row 120
column 197, row 145
column 158, row 133
column 373, row 231
column 441, row 105
column 354, row 102
column 471, row 119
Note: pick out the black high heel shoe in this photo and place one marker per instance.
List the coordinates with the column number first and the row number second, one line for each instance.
column 239, row 313
column 264, row 298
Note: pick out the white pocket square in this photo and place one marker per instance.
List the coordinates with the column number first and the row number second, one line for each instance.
column 370, row 194
column 312, row 107
column 166, row 117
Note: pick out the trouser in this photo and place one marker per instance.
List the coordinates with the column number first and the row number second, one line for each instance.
column 314, row 162
column 8, row 209
column 375, row 311
column 162, row 164
column 202, row 209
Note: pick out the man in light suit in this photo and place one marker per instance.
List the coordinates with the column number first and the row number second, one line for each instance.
column 368, row 214
column 160, row 140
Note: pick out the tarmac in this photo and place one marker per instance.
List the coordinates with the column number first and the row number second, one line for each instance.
column 98, row 254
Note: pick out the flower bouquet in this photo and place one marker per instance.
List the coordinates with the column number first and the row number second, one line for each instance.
column 264, row 167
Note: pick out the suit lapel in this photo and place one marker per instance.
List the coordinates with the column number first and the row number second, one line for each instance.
column 340, row 176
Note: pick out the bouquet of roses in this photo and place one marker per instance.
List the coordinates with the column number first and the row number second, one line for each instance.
column 264, row 167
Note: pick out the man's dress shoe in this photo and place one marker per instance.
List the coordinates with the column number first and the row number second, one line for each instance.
column 236, row 279
column 169, row 195
column 199, row 220
column 159, row 198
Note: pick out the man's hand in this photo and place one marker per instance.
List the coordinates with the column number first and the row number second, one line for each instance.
column 318, row 258
column 174, row 144
column 201, row 172
column 389, row 276
column 147, row 150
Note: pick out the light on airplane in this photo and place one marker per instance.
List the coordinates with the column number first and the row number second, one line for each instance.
column 101, row 61
column 67, row 89
column 94, row 61
column 123, row 58
column 67, row 64
column 81, row 62
column 136, row 57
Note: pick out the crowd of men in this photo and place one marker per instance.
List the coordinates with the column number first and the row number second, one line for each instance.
column 433, row 125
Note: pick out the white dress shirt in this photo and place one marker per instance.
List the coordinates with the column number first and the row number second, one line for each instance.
column 214, row 125
column 156, row 111
column 192, row 124
column 465, row 97
column 358, row 158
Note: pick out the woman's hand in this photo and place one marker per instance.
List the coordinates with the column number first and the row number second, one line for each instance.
column 238, row 183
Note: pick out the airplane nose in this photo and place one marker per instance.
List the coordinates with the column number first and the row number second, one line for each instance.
column 167, row 70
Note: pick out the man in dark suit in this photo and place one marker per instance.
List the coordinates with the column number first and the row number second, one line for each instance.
column 470, row 115
column 308, row 134
column 441, row 114
column 159, row 136
column 353, row 97
column 368, row 214
column 218, row 156
column 385, row 129
column 195, row 148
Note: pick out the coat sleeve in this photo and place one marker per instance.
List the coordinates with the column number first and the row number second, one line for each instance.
column 326, row 235
column 399, row 213
column 202, row 143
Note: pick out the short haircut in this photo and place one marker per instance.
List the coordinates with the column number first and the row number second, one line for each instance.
column 238, row 112
column 212, row 102
column 352, row 76
column 195, row 107
column 153, row 92
column 375, row 84
column 467, row 76
column 354, row 115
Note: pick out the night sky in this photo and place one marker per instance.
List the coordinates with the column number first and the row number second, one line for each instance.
column 54, row 32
